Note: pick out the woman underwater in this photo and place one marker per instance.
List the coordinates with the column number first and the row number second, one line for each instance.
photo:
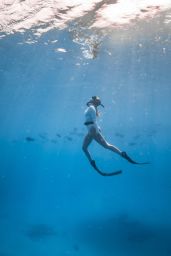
column 94, row 133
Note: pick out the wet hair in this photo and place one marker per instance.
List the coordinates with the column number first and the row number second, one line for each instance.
column 93, row 98
column 96, row 98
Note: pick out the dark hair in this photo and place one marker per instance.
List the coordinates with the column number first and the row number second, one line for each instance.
column 93, row 98
column 96, row 98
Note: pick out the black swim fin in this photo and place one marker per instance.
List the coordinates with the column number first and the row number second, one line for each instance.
column 124, row 155
column 93, row 163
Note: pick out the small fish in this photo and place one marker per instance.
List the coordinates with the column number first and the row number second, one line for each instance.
column 58, row 135
column 68, row 138
column 132, row 143
column 30, row 139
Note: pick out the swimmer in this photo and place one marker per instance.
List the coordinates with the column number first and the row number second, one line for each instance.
column 94, row 133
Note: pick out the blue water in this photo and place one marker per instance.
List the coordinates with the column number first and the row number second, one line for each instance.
column 51, row 200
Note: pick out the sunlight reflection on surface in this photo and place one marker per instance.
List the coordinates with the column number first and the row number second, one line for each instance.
column 88, row 22
column 17, row 16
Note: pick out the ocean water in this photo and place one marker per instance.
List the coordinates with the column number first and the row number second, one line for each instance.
column 52, row 202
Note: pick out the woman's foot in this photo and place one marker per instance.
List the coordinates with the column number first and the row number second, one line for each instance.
column 124, row 155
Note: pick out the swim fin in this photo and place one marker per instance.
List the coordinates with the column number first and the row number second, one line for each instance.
column 124, row 155
column 93, row 163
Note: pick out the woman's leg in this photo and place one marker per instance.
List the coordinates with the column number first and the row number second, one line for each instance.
column 101, row 140
column 87, row 140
